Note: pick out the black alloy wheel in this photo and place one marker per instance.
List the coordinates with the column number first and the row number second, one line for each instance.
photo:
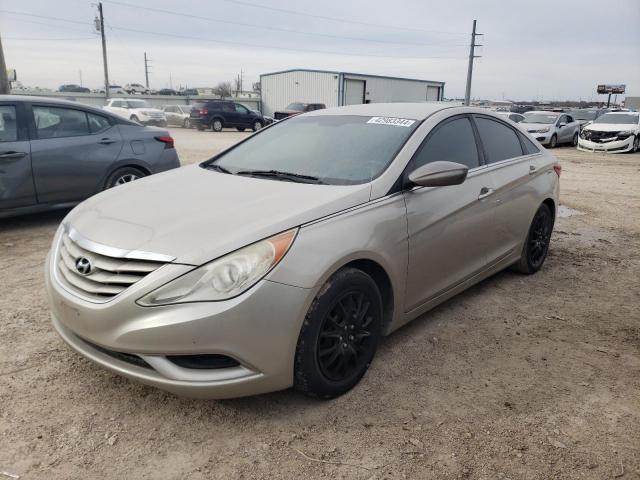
column 339, row 336
column 537, row 244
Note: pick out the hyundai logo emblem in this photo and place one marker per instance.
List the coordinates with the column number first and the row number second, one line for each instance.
column 83, row 266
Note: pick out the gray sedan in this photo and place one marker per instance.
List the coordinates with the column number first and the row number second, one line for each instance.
column 56, row 153
column 284, row 259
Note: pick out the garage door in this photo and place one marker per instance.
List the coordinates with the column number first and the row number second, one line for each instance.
column 433, row 94
column 354, row 92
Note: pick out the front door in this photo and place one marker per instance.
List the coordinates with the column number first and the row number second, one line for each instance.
column 243, row 116
column 71, row 153
column 449, row 226
column 16, row 181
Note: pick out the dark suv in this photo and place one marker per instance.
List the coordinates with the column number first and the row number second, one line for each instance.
column 297, row 108
column 219, row 114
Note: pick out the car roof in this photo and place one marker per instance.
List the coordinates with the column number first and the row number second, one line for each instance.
column 620, row 112
column 416, row 111
column 545, row 112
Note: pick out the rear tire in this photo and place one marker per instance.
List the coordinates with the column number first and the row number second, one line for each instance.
column 536, row 245
column 216, row 125
column 553, row 143
column 122, row 176
column 339, row 336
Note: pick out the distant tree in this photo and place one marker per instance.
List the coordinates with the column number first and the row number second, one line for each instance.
column 223, row 89
column 256, row 87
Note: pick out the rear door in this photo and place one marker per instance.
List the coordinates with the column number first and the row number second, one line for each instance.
column 511, row 163
column 16, row 181
column 72, row 151
column 449, row 227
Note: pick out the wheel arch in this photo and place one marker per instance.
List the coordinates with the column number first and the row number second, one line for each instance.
column 550, row 202
column 124, row 164
column 382, row 280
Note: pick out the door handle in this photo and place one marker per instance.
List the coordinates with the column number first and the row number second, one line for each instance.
column 532, row 169
column 12, row 154
column 485, row 192
column 106, row 141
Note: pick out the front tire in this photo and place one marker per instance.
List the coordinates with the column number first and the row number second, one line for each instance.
column 186, row 123
column 134, row 119
column 574, row 141
column 122, row 176
column 256, row 126
column 636, row 144
column 339, row 335
column 536, row 246
column 553, row 143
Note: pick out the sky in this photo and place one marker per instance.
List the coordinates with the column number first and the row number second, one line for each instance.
column 532, row 50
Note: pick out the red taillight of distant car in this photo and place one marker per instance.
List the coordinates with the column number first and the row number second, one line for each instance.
column 558, row 169
column 167, row 140
column 204, row 111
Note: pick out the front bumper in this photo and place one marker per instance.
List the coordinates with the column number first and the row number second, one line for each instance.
column 543, row 138
column 617, row 146
column 259, row 329
column 158, row 122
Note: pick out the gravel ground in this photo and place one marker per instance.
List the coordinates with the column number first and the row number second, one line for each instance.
column 519, row 377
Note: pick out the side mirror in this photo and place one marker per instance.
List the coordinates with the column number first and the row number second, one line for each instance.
column 562, row 125
column 439, row 174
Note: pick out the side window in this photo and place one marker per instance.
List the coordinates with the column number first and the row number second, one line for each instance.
column 452, row 141
column 570, row 119
column 98, row 123
column 117, row 104
column 8, row 124
column 500, row 142
column 241, row 108
column 228, row 107
column 529, row 147
column 562, row 119
column 54, row 122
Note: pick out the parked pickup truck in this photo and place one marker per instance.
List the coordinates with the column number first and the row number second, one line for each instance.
column 297, row 108
column 137, row 110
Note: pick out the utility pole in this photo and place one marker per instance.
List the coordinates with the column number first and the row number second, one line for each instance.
column 472, row 55
column 80, row 73
column 5, row 88
column 146, row 69
column 104, row 51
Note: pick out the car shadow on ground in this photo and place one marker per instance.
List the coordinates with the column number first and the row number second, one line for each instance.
column 34, row 220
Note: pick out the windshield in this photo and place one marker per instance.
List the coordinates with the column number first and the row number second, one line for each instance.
column 546, row 118
column 298, row 107
column 335, row 149
column 137, row 104
column 584, row 114
column 625, row 118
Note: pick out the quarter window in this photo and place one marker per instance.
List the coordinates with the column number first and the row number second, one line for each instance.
column 8, row 125
column 54, row 122
column 452, row 141
column 500, row 142
column 98, row 123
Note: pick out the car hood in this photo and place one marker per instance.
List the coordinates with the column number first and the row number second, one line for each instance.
column 610, row 127
column 196, row 215
column 534, row 126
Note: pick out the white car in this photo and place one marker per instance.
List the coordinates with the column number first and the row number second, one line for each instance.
column 513, row 116
column 132, row 88
column 613, row 132
column 551, row 128
column 137, row 110
column 178, row 115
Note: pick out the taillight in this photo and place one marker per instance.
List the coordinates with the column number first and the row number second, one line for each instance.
column 167, row 140
column 558, row 169
column 204, row 111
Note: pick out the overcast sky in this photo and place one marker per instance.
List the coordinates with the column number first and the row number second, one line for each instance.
column 543, row 49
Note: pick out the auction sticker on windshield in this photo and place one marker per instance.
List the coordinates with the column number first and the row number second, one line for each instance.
column 397, row 122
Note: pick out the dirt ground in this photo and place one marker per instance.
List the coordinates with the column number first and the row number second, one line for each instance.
column 518, row 378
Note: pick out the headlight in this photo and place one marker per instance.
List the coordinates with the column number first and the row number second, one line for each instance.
column 225, row 277
column 542, row 130
column 625, row 134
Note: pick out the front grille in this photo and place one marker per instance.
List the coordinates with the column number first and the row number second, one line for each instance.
column 107, row 276
column 599, row 137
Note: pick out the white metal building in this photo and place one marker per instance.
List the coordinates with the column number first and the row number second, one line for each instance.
column 279, row 89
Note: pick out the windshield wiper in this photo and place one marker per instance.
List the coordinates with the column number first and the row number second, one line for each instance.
column 292, row 177
column 217, row 168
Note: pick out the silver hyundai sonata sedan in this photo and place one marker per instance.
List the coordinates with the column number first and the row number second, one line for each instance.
column 283, row 260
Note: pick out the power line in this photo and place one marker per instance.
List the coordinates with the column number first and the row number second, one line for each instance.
column 334, row 19
column 277, row 29
column 242, row 44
